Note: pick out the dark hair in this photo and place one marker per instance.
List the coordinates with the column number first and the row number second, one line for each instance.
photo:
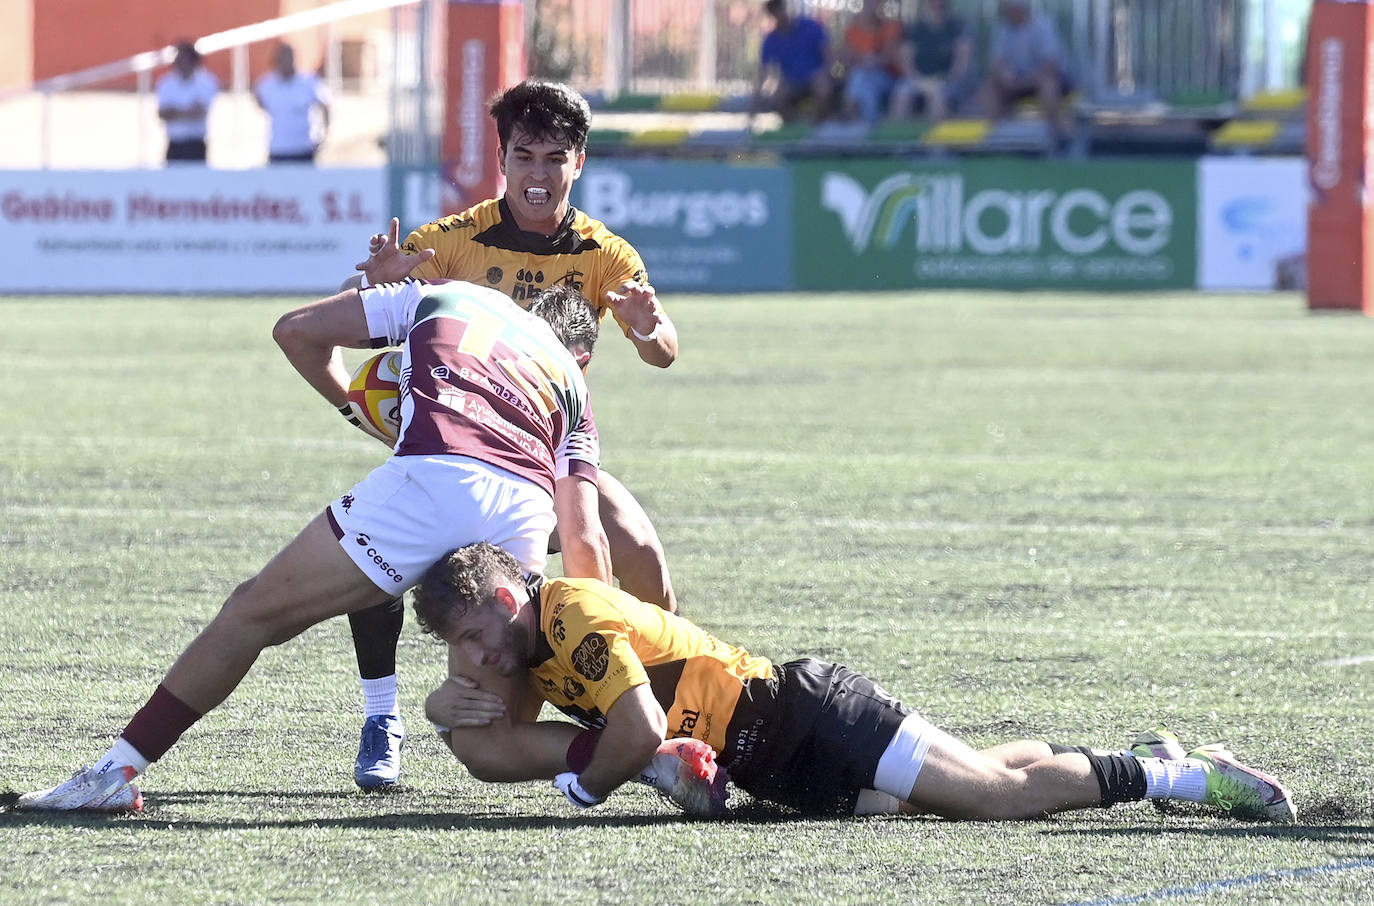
column 461, row 582
column 571, row 316
column 545, row 111
column 188, row 50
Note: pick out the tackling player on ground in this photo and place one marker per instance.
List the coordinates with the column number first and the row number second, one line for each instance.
column 815, row 736
column 528, row 239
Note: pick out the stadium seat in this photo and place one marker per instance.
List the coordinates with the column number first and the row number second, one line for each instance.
column 1285, row 101
column 689, row 103
column 600, row 139
column 957, row 133
column 1245, row 135
column 899, row 132
column 634, row 103
column 663, row 137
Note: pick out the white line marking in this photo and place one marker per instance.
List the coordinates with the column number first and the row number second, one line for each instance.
column 1205, row 887
column 1348, row 661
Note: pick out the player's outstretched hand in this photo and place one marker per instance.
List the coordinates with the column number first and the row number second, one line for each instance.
column 637, row 305
column 460, row 702
column 386, row 261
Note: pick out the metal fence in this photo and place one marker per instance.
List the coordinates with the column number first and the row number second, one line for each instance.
column 1172, row 50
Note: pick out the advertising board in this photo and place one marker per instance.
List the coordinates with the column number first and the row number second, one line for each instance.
column 187, row 229
column 702, row 227
column 1001, row 223
column 1252, row 222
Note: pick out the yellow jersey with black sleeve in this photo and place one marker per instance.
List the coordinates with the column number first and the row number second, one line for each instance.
column 596, row 642
column 483, row 245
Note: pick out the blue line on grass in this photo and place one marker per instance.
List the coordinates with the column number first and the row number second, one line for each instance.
column 1228, row 883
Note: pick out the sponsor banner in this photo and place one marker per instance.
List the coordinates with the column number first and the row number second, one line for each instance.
column 1006, row 223
column 700, row 227
column 1252, row 222
column 187, row 229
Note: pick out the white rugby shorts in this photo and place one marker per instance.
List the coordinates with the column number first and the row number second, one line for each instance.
column 411, row 510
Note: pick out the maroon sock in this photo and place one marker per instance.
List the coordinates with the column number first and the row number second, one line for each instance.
column 159, row 724
column 580, row 750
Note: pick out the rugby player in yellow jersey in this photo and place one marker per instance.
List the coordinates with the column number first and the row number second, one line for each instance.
column 529, row 239
column 811, row 735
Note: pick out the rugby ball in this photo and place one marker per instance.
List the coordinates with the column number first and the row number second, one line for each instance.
column 375, row 393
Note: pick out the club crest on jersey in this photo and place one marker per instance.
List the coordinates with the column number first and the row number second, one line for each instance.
column 494, row 275
column 439, row 372
column 572, row 688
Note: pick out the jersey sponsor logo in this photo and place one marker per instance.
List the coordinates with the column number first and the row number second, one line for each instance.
column 494, row 275
column 592, row 657
column 386, row 568
column 547, row 685
column 440, row 372
column 346, row 501
column 572, row 688
column 689, row 723
column 559, row 630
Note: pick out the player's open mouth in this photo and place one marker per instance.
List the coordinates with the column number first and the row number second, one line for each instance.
column 537, row 196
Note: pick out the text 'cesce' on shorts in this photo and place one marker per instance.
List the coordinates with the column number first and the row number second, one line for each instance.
column 412, row 510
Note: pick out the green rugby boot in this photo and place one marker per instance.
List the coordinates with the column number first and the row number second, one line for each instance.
column 1241, row 791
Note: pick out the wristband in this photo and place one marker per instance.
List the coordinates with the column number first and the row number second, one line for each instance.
column 569, row 785
column 346, row 410
column 651, row 335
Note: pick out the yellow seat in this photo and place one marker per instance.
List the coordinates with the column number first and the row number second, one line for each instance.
column 958, row 132
column 1246, row 134
column 1287, row 100
column 659, row 137
column 690, row 103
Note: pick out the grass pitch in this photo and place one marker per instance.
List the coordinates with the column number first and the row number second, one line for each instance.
column 1041, row 516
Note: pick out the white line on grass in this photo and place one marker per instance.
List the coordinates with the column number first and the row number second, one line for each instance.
column 1348, row 661
column 1167, row 893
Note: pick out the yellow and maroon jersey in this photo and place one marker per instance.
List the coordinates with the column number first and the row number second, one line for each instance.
column 483, row 245
column 596, row 642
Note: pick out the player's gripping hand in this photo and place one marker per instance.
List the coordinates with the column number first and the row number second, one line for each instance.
column 460, row 702
column 568, row 785
column 386, row 261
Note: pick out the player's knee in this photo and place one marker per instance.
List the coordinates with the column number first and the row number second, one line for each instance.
column 250, row 619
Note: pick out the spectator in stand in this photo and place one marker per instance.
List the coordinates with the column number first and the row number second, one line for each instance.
column 936, row 62
column 796, row 59
column 872, row 58
column 1027, row 60
column 298, row 105
column 184, row 95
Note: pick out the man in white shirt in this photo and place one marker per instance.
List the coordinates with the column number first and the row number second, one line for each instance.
column 298, row 105
column 184, row 96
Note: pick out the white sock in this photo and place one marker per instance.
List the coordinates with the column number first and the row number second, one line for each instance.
column 122, row 754
column 379, row 696
column 1174, row 779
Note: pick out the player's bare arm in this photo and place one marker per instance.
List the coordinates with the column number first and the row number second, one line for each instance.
column 311, row 336
column 386, row 261
column 651, row 330
column 586, row 552
column 635, row 727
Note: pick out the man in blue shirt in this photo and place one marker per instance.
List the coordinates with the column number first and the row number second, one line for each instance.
column 796, row 53
column 1027, row 61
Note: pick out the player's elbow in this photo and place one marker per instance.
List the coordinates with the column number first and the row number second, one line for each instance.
column 287, row 333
